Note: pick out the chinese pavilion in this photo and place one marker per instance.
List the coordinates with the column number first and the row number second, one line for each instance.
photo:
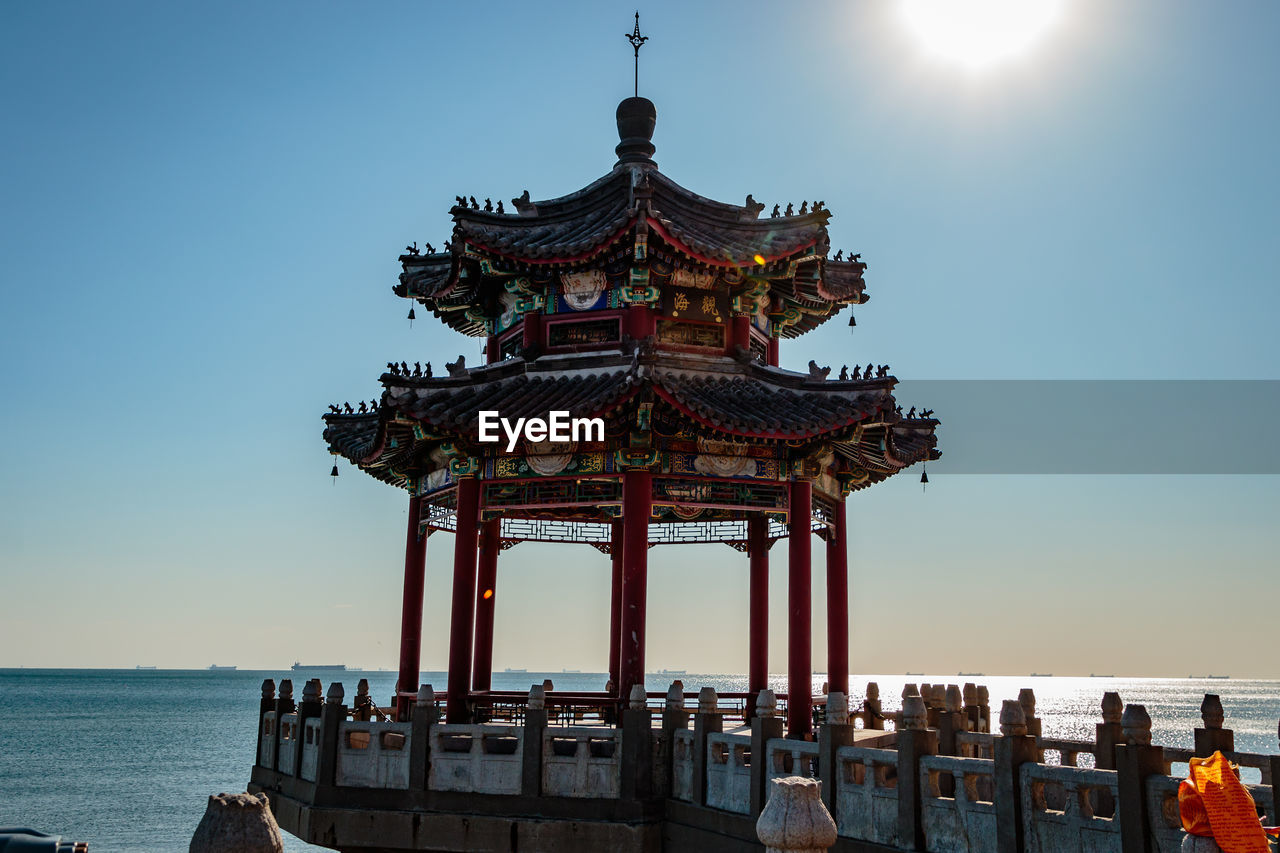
column 661, row 312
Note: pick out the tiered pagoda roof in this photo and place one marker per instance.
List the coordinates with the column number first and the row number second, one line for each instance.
column 642, row 303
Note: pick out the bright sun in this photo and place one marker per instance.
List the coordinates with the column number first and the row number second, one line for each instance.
column 976, row 33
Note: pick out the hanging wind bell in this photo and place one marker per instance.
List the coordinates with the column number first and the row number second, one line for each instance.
column 924, row 477
column 412, row 317
column 334, row 473
column 853, row 321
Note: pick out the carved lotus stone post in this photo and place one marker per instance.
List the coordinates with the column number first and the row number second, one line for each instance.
column 1011, row 750
column 1136, row 759
column 535, row 726
column 1213, row 737
column 674, row 718
column 425, row 715
column 873, row 714
column 637, row 745
column 915, row 741
column 1027, row 699
column 237, row 823
column 266, row 706
column 1109, row 731
column 795, row 820
column 834, row 733
column 707, row 720
column 765, row 726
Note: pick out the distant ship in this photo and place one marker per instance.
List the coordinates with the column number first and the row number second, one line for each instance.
column 216, row 668
column 1041, row 675
column 670, row 672
column 966, row 674
column 511, row 669
column 571, row 670
column 144, row 667
column 1208, row 676
column 918, row 673
column 299, row 667
column 1094, row 675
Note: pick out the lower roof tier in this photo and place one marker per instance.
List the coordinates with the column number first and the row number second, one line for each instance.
column 693, row 416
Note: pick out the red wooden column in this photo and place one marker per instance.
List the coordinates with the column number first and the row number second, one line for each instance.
column 531, row 334
column 758, row 625
column 486, row 599
column 615, row 603
column 740, row 329
column 637, row 504
column 799, row 613
column 773, row 351
column 492, row 352
column 462, row 620
column 838, row 604
column 415, row 564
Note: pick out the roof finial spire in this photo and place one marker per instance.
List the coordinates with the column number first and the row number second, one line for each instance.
column 636, row 40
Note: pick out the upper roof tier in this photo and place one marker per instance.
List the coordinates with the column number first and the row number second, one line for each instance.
column 620, row 223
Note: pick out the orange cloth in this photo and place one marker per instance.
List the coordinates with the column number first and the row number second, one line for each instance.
column 1214, row 802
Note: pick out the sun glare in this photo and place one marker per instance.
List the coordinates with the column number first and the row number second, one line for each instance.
column 978, row 33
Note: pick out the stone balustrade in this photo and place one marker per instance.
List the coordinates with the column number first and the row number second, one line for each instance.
column 373, row 755
column 581, row 761
column 957, row 812
column 1059, row 809
column 867, row 795
column 682, row 766
column 729, row 772
column 1066, row 752
column 973, row 744
column 935, row 784
column 309, row 744
column 287, row 745
column 788, row 757
column 482, row 758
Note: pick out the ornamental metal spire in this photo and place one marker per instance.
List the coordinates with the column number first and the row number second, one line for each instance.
column 636, row 40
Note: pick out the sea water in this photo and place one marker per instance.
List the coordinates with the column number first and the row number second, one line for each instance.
column 126, row 759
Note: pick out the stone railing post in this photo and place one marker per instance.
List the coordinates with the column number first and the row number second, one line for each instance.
column 332, row 717
column 915, row 741
column 1011, row 750
column 937, row 704
column 1136, row 759
column 309, row 707
column 873, row 711
column 362, row 703
column 637, row 747
column 284, row 705
column 951, row 721
column 707, row 720
column 766, row 725
column 795, row 821
column 971, row 710
column 984, row 708
column 1213, row 736
column 834, row 733
column 1027, row 699
column 1110, row 733
column 535, row 726
column 266, row 706
column 674, row 718
column 425, row 715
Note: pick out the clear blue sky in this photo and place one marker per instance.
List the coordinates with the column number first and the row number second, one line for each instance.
column 203, row 205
